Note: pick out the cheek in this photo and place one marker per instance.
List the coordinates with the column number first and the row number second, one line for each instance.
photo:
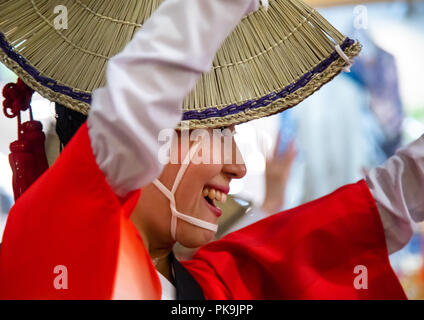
column 195, row 178
column 203, row 173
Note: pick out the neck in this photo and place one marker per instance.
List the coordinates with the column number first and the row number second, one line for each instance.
column 158, row 249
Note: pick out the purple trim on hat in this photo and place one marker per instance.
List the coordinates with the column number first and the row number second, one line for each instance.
column 188, row 115
column 44, row 81
column 266, row 100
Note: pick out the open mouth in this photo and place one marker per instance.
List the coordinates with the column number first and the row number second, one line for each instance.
column 210, row 201
column 211, row 195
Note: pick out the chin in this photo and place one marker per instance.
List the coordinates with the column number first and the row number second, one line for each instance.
column 198, row 239
column 208, row 237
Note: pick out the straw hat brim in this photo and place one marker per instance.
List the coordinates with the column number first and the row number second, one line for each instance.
column 272, row 61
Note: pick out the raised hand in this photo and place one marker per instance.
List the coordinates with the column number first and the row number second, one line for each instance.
column 276, row 175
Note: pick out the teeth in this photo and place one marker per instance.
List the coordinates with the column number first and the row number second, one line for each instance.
column 214, row 194
column 205, row 192
column 218, row 196
column 224, row 198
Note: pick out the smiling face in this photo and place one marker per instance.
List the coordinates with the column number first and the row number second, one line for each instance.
column 201, row 186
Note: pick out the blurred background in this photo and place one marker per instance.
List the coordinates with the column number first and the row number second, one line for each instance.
column 333, row 138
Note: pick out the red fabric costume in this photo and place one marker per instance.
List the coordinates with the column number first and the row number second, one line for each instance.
column 71, row 217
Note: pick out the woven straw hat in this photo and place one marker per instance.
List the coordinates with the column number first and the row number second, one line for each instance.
column 274, row 59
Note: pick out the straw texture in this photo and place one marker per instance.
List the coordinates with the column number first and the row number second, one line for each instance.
column 273, row 60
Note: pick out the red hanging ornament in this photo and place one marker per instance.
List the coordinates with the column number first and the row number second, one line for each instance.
column 34, row 135
column 21, row 160
column 28, row 157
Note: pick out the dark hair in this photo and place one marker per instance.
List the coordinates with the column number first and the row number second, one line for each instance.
column 68, row 122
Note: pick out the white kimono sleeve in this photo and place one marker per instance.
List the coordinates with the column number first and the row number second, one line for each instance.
column 398, row 188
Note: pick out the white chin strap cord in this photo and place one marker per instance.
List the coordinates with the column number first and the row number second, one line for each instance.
column 170, row 194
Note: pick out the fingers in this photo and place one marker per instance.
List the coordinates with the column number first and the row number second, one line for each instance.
column 277, row 145
column 290, row 153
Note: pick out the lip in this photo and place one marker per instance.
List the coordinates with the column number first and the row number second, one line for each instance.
column 219, row 188
column 215, row 210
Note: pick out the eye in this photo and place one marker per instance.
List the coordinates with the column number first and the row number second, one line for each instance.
column 226, row 131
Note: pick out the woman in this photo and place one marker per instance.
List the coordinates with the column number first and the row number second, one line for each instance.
column 308, row 252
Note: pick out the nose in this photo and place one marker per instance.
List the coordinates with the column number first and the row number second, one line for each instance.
column 237, row 168
column 234, row 171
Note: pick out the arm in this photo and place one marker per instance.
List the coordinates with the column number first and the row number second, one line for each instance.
column 311, row 252
column 147, row 82
column 308, row 252
column 397, row 187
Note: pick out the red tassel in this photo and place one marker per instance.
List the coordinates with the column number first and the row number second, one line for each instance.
column 28, row 157
column 34, row 135
column 22, row 162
